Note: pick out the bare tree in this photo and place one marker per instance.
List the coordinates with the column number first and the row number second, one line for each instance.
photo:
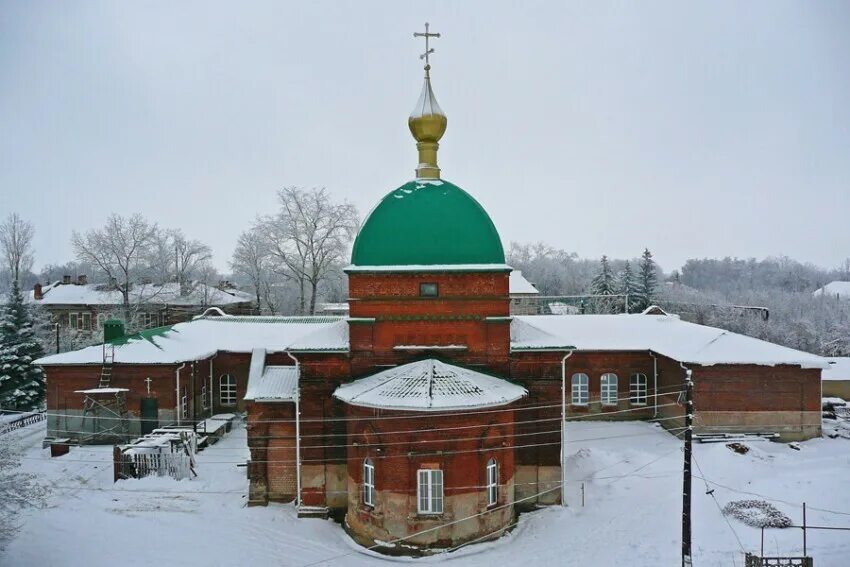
column 18, row 490
column 308, row 236
column 118, row 250
column 16, row 236
column 251, row 261
column 173, row 257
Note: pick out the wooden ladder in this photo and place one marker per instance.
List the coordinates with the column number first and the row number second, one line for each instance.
column 106, row 369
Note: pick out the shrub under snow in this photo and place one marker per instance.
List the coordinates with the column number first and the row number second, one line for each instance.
column 757, row 513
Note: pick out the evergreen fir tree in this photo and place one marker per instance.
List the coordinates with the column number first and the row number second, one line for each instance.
column 647, row 281
column 604, row 283
column 627, row 285
column 21, row 383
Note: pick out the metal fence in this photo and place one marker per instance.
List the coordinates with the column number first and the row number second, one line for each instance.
column 21, row 422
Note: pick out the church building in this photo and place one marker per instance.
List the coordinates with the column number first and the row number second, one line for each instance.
column 430, row 412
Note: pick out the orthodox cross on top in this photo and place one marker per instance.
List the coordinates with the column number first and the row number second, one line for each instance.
column 428, row 49
column 148, row 383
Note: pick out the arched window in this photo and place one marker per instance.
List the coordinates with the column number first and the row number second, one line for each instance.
column 637, row 389
column 368, row 483
column 580, row 389
column 227, row 390
column 492, row 482
column 608, row 389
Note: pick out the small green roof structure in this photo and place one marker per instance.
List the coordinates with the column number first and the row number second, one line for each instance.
column 428, row 222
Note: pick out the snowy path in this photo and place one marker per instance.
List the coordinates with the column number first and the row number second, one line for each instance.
column 632, row 480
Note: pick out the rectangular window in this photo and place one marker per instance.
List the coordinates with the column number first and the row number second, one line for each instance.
column 184, row 406
column 73, row 321
column 368, row 483
column 227, row 391
column 429, row 491
column 87, row 321
column 429, row 290
column 638, row 389
column 580, row 389
column 608, row 390
column 492, row 482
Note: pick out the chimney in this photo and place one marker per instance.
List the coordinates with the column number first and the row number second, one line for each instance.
column 82, row 279
column 66, row 279
column 36, row 292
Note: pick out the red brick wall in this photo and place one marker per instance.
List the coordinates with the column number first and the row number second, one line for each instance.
column 756, row 388
column 401, row 443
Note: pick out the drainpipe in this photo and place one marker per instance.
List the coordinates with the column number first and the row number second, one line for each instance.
column 211, row 396
column 297, row 430
column 654, row 384
column 177, row 407
column 564, row 428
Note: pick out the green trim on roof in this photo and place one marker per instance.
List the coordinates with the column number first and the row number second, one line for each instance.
column 305, row 319
column 428, row 222
column 146, row 335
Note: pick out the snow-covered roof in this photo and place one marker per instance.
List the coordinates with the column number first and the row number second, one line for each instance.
column 519, row 285
column 204, row 336
column 270, row 383
column 169, row 293
column 836, row 288
column 838, row 369
column 327, row 338
column 664, row 334
column 429, row 385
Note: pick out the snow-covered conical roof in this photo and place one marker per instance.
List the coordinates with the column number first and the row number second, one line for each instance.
column 429, row 385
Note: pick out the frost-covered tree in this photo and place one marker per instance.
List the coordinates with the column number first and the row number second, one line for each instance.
column 121, row 250
column 308, row 236
column 21, row 382
column 627, row 285
column 251, row 262
column 604, row 283
column 647, row 282
column 16, row 237
column 18, row 490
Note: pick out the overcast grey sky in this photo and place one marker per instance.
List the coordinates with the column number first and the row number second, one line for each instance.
column 696, row 129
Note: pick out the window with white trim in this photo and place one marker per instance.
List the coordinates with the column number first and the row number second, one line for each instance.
column 73, row 320
column 227, row 390
column 608, row 389
column 369, row 483
column 580, row 389
column 429, row 491
column 638, row 389
column 492, row 482
column 184, row 406
column 86, row 321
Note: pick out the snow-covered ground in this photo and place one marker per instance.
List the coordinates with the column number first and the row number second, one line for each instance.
column 632, row 475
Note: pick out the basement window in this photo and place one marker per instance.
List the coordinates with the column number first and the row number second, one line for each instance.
column 637, row 389
column 429, row 290
column 369, row 483
column 429, row 491
column 492, row 482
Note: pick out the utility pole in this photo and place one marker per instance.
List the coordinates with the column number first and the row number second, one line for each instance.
column 686, row 477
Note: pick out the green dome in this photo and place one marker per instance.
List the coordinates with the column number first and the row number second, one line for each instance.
column 427, row 222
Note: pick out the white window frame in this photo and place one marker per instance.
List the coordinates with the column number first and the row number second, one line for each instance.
column 638, row 389
column 429, row 491
column 73, row 320
column 580, row 388
column 184, row 406
column 369, row 483
column 227, row 390
column 608, row 385
column 492, row 482
column 83, row 318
